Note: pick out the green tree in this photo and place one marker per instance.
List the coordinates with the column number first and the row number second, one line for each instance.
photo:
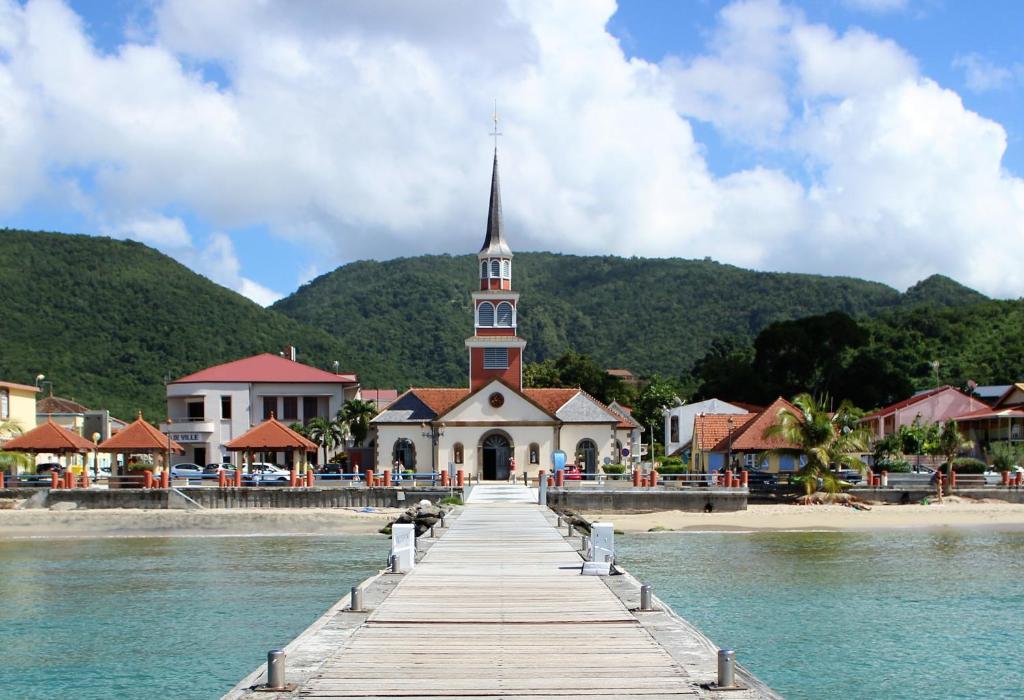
column 356, row 416
column 649, row 407
column 949, row 443
column 10, row 461
column 820, row 436
column 326, row 433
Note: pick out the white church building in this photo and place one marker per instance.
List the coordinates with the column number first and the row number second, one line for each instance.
column 480, row 429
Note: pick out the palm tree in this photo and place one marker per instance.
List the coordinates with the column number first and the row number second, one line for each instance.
column 326, row 433
column 356, row 415
column 949, row 444
column 824, row 439
column 10, row 461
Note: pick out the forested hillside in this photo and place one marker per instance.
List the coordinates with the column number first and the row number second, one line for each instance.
column 406, row 318
column 108, row 320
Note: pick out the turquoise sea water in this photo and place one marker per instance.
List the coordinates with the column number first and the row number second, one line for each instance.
column 162, row 617
column 922, row 615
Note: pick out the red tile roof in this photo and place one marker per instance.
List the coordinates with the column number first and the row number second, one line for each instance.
column 139, row 436
column 271, row 434
column 751, row 437
column 900, row 405
column 55, row 404
column 550, row 399
column 990, row 413
column 15, row 385
column 712, row 429
column 440, row 400
column 266, row 368
column 49, row 437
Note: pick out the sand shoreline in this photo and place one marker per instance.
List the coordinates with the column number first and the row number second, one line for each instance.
column 62, row 524
column 955, row 512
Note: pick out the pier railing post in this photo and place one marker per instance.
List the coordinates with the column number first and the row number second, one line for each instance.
column 276, row 669
column 726, row 668
column 645, row 598
column 356, row 599
column 542, row 488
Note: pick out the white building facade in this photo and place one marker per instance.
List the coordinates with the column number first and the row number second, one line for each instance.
column 211, row 407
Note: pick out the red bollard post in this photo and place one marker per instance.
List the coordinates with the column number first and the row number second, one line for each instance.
column 460, row 478
column 636, row 478
column 147, row 479
column 2, row 475
column 728, row 478
column 293, row 478
column 238, row 478
column 310, row 478
column 869, row 478
column 551, row 482
column 643, row 482
column 1006, row 478
column 560, row 478
column 1018, row 479
column 387, row 477
column 54, row 480
column 654, row 478
column 444, row 477
column 369, row 478
column 85, row 479
column 952, row 480
column 745, row 483
column 222, row 478
column 165, row 479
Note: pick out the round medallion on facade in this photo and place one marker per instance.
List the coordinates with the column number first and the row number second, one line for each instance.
column 496, row 399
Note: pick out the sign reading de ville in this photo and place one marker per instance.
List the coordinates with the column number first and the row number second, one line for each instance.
column 186, row 437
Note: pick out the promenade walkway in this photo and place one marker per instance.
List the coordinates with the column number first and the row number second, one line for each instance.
column 498, row 608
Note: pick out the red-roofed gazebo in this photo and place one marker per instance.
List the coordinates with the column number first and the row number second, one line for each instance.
column 50, row 438
column 272, row 436
column 140, row 437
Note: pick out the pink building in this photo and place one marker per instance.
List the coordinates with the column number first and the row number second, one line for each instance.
column 932, row 406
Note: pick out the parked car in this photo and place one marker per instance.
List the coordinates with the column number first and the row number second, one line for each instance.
column 262, row 473
column 42, row 476
column 186, row 470
column 573, row 473
column 851, row 476
column 762, row 480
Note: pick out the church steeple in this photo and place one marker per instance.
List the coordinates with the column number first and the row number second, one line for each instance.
column 494, row 238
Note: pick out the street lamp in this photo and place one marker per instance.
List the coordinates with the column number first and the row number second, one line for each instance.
column 728, row 461
column 435, row 433
column 96, row 455
column 167, row 461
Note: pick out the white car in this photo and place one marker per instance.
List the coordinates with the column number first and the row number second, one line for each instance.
column 263, row 473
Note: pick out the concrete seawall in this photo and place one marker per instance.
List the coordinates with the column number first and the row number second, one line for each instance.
column 699, row 500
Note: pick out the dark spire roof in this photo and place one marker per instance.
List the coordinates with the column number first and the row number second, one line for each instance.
column 494, row 240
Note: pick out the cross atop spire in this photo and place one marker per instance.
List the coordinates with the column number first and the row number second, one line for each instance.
column 495, row 133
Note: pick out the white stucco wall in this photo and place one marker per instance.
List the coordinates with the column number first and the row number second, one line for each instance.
column 603, row 436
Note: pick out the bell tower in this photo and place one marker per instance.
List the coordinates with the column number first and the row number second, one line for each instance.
column 495, row 351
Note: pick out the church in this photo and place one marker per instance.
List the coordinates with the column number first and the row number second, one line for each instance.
column 482, row 428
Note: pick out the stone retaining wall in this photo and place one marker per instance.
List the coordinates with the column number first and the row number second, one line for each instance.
column 641, row 500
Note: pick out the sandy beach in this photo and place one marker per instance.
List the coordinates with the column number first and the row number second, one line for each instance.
column 22, row 524
column 954, row 512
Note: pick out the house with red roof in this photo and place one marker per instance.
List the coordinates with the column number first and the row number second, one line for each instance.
column 1001, row 422
column 932, row 406
column 213, row 406
column 721, row 439
column 495, row 423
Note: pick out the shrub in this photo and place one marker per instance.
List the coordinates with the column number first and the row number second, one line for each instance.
column 451, row 501
column 967, row 465
column 893, row 466
column 671, row 468
column 1005, row 456
column 615, row 469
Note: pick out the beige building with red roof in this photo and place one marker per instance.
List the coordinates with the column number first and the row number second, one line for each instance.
column 482, row 429
column 933, row 406
column 720, row 439
column 211, row 407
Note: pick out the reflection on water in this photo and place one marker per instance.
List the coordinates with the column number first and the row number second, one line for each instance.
column 182, row 617
column 922, row 615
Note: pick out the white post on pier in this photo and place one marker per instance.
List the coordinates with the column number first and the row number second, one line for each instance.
column 403, row 546
column 602, row 550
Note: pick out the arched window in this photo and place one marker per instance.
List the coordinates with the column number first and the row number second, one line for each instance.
column 673, row 429
column 506, row 269
column 485, row 314
column 458, row 453
column 495, row 268
column 483, row 269
column 534, row 453
column 404, row 453
column 5, row 404
column 504, row 314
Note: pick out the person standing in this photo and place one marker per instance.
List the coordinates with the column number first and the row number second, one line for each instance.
column 512, row 470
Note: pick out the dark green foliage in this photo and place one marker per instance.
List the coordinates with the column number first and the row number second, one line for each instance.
column 572, row 370
column 968, row 465
column 893, row 466
column 107, row 321
column 406, row 318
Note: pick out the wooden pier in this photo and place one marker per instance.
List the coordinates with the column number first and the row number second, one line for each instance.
column 498, row 607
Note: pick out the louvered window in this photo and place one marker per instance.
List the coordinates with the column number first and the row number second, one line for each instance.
column 504, row 314
column 506, row 269
column 486, row 314
column 495, row 358
column 483, row 270
column 495, row 268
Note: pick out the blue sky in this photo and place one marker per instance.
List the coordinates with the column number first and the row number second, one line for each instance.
column 264, row 144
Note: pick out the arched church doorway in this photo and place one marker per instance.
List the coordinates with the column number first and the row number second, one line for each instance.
column 586, row 455
column 404, row 452
column 495, row 451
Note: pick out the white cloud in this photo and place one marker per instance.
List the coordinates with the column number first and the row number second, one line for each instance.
column 981, row 75
column 877, row 6
column 358, row 129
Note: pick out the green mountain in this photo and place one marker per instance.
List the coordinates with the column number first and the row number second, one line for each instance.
column 108, row 320
column 405, row 319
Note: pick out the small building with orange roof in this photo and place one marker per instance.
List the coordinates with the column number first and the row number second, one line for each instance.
column 719, row 438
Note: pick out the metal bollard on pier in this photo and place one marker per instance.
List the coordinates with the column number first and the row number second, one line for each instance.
column 570, row 531
column 585, row 547
column 542, row 489
column 356, row 599
column 276, row 669
column 726, row 668
column 645, row 598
